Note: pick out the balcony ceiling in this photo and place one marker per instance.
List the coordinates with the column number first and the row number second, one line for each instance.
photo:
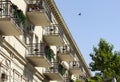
column 39, row 61
column 54, row 76
column 38, row 18
column 53, row 39
column 66, row 57
column 8, row 27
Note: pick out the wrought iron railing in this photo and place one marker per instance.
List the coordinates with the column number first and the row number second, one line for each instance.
column 56, row 68
column 75, row 65
column 67, row 78
column 66, row 49
column 53, row 30
column 7, row 11
column 40, row 49
column 36, row 49
column 38, row 5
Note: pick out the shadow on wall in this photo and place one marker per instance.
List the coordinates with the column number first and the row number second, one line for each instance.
column 29, row 72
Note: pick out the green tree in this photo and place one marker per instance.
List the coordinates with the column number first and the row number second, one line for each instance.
column 96, row 78
column 105, row 60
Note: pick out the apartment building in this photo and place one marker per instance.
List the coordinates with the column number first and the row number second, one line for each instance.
column 36, row 45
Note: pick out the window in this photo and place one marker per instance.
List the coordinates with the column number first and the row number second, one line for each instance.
column 16, row 76
column 24, row 79
column 5, row 74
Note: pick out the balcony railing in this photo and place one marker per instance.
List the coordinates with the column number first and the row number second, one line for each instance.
column 55, row 72
column 38, row 13
column 67, row 78
column 66, row 53
column 76, row 67
column 11, row 23
column 53, row 35
column 40, row 55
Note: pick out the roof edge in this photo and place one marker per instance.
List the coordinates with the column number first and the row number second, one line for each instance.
column 62, row 23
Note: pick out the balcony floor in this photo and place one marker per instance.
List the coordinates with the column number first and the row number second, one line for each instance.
column 38, row 18
column 66, row 57
column 39, row 61
column 53, row 40
column 8, row 27
column 54, row 76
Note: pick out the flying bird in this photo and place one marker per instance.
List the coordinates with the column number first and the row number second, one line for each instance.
column 79, row 14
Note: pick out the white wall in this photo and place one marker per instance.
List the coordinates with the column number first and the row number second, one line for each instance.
column 38, row 32
column 21, row 4
column 16, row 45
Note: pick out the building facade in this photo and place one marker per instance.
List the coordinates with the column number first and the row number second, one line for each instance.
column 36, row 45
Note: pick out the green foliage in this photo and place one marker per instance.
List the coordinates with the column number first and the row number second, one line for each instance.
column 78, row 80
column 90, row 80
column 105, row 60
column 19, row 15
column 49, row 53
column 96, row 78
column 61, row 69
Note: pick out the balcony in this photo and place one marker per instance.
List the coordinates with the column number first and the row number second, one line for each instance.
column 56, row 72
column 53, row 35
column 66, row 53
column 37, row 13
column 67, row 78
column 75, row 67
column 40, row 55
column 10, row 23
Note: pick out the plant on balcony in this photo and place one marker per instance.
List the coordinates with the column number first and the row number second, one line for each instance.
column 49, row 53
column 21, row 17
column 61, row 69
column 17, row 13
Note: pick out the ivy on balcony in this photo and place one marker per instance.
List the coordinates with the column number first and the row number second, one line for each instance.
column 18, row 14
column 61, row 69
column 49, row 53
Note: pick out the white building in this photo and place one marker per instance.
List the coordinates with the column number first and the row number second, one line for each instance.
column 36, row 45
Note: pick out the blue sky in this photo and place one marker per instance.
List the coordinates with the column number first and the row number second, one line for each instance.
column 99, row 19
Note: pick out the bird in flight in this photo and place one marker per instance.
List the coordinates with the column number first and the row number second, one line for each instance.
column 79, row 14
